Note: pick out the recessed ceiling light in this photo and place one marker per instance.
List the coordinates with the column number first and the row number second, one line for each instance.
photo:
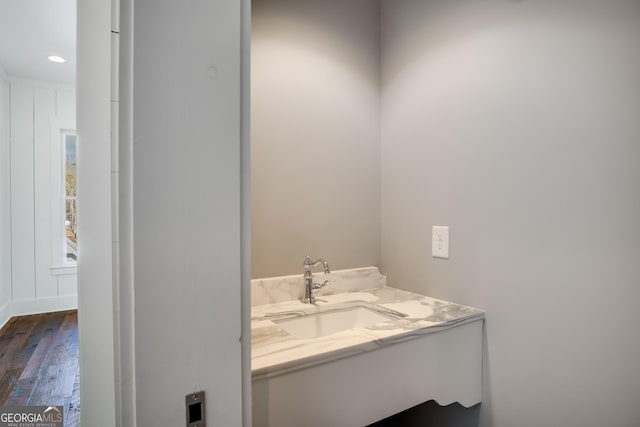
column 54, row 58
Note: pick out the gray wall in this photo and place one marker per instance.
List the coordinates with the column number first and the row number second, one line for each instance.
column 315, row 134
column 517, row 124
column 186, row 208
column 5, row 207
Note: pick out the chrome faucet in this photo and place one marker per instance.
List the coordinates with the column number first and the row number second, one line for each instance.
column 309, row 286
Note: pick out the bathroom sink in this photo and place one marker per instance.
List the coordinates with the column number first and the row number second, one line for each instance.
column 331, row 321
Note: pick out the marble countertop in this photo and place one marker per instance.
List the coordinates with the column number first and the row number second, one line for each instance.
column 274, row 351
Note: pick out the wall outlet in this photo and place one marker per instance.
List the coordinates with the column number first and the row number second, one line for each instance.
column 440, row 241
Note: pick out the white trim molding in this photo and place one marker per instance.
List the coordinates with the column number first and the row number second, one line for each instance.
column 5, row 314
column 44, row 305
column 36, row 306
column 60, row 270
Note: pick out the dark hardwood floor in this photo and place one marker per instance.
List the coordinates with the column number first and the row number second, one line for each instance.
column 39, row 362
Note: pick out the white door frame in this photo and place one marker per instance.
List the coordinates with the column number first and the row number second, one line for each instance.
column 95, row 273
column 108, row 394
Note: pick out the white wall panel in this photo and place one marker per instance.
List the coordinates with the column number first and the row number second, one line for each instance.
column 67, row 284
column 66, row 108
column 39, row 110
column 22, row 194
column 44, row 113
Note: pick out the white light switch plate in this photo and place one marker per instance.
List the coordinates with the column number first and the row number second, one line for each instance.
column 440, row 241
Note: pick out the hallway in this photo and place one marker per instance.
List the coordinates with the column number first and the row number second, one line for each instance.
column 39, row 362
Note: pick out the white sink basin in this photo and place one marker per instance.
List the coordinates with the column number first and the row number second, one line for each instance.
column 329, row 322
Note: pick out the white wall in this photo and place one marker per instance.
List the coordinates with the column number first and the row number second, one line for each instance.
column 516, row 123
column 314, row 134
column 97, row 202
column 5, row 202
column 186, row 209
column 38, row 111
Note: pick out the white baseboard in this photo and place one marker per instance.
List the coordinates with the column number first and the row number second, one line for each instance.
column 5, row 314
column 44, row 305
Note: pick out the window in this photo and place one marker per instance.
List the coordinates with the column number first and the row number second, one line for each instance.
column 69, row 169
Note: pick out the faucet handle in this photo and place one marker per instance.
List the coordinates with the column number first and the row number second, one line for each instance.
column 317, row 286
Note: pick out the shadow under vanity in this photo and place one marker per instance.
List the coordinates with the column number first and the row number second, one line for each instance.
column 363, row 352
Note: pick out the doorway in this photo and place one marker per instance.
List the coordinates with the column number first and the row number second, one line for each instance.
column 38, row 245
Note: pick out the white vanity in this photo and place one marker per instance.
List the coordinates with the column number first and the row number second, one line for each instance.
column 363, row 352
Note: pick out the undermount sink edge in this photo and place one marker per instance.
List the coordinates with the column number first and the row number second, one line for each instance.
column 331, row 321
